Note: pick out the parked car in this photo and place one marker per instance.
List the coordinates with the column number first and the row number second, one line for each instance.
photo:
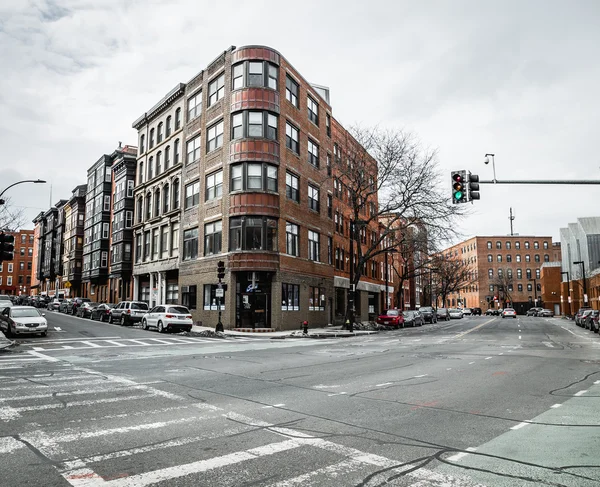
column 5, row 297
column 594, row 323
column 85, row 310
column 509, row 313
column 580, row 313
column 412, row 318
column 391, row 317
column 455, row 313
column 19, row 320
column 492, row 312
column 128, row 312
column 443, row 314
column 54, row 304
column 476, row 311
column 76, row 303
column 101, row 312
column 588, row 322
column 429, row 314
column 533, row 311
column 64, row 305
column 168, row 318
column 582, row 318
column 466, row 311
column 545, row 313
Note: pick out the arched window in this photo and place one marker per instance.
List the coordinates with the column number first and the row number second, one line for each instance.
column 166, row 199
column 151, row 142
column 176, row 152
column 157, row 203
column 159, row 133
column 139, row 209
column 148, row 206
column 167, row 157
column 177, row 118
column 168, row 128
column 142, row 143
column 158, row 163
column 150, row 168
column 176, row 194
column 141, row 173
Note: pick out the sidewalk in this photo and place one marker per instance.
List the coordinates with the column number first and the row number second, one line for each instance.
column 326, row 332
column 5, row 342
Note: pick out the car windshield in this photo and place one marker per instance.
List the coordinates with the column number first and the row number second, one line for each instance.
column 25, row 313
column 139, row 306
column 426, row 309
column 391, row 312
column 453, row 310
column 178, row 309
column 408, row 314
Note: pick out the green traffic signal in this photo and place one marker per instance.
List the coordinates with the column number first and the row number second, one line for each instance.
column 459, row 194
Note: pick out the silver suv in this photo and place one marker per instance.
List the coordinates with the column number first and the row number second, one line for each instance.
column 128, row 312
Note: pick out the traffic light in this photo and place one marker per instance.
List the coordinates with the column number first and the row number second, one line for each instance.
column 221, row 269
column 459, row 188
column 473, row 191
column 7, row 246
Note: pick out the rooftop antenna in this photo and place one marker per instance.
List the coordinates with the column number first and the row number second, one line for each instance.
column 50, row 195
column 511, row 218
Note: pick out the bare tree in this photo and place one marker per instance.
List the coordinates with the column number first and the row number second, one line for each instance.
column 393, row 189
column 11, row 218
column 451, row 275
column 503, row 283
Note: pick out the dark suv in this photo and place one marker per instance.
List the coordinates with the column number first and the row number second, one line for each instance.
column 128, row 312
column 476, row 311
column 429, row 314
column 74, row 304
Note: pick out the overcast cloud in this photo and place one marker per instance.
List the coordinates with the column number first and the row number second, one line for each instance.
column 516, row 78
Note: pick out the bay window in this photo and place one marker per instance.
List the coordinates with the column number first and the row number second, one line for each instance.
column 254, row 177
column 252, row 233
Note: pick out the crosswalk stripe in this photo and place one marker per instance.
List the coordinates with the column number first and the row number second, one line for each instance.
column 115, row 343
column 91, row 344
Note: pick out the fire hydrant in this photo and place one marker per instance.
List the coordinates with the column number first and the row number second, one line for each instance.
column 305, row 327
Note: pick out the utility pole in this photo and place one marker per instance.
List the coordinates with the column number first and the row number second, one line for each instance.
column 351, row 294
column 511, row 218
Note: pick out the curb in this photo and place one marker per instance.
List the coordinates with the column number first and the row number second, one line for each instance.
column 254, row 330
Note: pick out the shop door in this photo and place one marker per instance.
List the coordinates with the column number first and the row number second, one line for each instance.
column 254, row 310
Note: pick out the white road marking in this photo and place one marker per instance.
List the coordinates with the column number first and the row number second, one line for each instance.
column 57, row 328
column 116, row 344
column 487, row 358
column 66, row 347
column 336, row 394
column 519, row 426
column 462, row 454
column 569, row 331
column 43, row 356
column 66, row 340
column 471, row 363
column 554, row 406
column 450, row 368
column 519, row 337
column 580, row 393
column 548, row 344
column 384, row 384
column 502, row 353
column 597, row 382
column 419, row 376
column 92, row 344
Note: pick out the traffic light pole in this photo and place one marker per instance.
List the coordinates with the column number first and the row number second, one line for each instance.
column 542, row 181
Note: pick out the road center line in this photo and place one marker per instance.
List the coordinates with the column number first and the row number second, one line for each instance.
column 462, row 454
column 580, row 393
column 554, row 406
column 519, row 426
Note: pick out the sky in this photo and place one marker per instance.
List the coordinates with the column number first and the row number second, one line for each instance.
column 519, row 79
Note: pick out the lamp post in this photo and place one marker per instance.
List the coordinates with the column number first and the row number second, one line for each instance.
column 568, row 291
column 35, row 181
column 487, row 161
column 585, row 296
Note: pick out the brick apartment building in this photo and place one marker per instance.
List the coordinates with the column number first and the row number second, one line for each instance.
column 507, row 270
column 256, row 192
column 15, row 275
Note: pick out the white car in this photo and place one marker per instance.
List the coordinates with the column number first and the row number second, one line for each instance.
column 466, row 311
column 167, row 318
column 455, row 313
column 19, row 320
column 509, row 312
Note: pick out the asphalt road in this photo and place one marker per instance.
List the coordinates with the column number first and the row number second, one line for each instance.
column 477, row 401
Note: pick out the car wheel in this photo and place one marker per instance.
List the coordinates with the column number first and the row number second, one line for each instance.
column 161, row 328
column 44, row 333
column 144, row 325
column 123, row 322
column 110, row 318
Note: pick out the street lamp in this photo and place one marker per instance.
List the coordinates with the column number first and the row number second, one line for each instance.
column 569, row 291
column 35, row 181
column 487, row 161
column 585, row 296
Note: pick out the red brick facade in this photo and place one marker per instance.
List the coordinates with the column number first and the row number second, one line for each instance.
column 15, row 275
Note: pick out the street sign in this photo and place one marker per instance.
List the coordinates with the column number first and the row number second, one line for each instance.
column 219, row 293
